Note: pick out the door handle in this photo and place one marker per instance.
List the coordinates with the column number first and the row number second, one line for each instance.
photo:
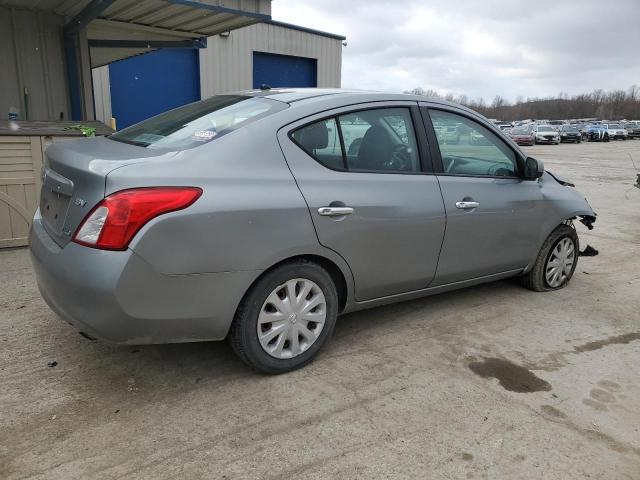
column 335, row 211
column 466, row 205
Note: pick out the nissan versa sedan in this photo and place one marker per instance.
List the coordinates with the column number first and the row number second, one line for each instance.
column 259, row 217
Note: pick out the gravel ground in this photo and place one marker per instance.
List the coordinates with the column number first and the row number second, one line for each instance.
column 489, row 382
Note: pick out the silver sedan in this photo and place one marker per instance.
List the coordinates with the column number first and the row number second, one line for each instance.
column 261, row 216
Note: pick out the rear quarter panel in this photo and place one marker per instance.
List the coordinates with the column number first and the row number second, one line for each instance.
column 250, row 215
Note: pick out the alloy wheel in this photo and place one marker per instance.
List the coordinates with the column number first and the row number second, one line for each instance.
column 560, row 262
column 291, row 318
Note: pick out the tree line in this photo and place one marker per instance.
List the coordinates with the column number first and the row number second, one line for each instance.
column 600, row 104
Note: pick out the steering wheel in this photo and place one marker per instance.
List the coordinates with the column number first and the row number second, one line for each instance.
column 400, row 159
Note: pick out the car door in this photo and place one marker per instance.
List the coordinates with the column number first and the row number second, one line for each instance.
column 493, row 215
column 373, row 199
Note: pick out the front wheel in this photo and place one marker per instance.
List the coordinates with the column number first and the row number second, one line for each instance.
column 556, row 261
column 285, row 318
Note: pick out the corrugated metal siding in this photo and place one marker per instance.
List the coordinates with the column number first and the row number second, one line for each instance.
column 31, row 50
column 226, row 64
column 102, row 94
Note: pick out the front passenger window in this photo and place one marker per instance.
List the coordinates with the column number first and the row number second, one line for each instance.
column 468, row 148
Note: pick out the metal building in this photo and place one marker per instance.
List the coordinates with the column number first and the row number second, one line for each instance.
column 47, row 50
column 273, row 53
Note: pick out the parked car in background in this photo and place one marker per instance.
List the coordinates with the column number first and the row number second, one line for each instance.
column 569, row 133
column 449, row 134
column 581, row 127
column 597, row 132
column 505, row 127
column 523, row 136
column 547, row 134
column 557, row 123
column 616, row 131
column 242, row 217
column 633, row 130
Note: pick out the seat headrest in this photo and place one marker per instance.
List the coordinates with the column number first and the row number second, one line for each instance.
column 315, row 136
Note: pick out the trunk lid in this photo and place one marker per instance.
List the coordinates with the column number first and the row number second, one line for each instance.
column 74, row 178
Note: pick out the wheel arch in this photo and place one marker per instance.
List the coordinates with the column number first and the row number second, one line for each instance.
column 568, row 219
column 340, row 278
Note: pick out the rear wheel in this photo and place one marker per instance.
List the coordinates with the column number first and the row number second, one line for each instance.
column 556, row 261
column 285, row 318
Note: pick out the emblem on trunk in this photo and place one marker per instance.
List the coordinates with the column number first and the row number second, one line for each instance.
column 80, row 202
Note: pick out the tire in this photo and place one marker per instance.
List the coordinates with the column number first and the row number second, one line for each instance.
column 536, row 279
column 243, row 334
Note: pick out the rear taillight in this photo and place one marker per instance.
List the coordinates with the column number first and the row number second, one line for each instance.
column 115, row 220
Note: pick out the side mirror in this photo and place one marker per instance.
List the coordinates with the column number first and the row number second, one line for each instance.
column 533, row 169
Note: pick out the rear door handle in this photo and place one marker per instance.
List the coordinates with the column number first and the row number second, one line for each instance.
column 335, row 211
column 466, row 205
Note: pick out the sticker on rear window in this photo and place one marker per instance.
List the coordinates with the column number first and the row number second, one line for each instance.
column 203, row 135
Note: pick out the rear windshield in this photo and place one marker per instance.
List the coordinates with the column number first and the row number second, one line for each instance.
column 197, row 123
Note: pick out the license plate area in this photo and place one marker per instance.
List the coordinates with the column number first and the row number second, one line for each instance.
column 54, row 200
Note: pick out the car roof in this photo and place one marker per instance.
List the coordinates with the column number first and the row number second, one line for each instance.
column 292, row 95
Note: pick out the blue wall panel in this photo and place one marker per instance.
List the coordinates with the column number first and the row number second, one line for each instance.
column 149, row 84
column 284, row 71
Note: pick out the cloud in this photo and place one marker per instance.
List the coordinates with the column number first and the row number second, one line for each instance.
column 480, row 48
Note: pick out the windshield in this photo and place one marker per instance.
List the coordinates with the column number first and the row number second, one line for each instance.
column 570, row 129
column 614, row 125
column 545, row 129
column 197, row 123
column 520, row 131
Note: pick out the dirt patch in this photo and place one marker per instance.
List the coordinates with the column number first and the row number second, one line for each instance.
column 512, row 377
column 616, row 340
column 467, row 457
column 553, row 411
column 602, row 395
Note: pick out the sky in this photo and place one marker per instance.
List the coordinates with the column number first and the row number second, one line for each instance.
column 481, row 48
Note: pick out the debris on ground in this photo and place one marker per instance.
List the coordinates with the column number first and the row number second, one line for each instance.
column 589, row 251
column 52, row 364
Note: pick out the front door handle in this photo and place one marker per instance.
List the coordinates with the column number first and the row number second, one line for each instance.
column 335, row 211
column 466, row 205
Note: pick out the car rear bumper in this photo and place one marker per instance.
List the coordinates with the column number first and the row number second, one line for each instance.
column 120, row 298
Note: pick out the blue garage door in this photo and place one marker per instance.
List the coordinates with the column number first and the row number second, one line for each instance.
column 284, row 71
column 155, row 82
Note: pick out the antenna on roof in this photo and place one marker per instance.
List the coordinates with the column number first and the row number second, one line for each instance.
column 264, row 86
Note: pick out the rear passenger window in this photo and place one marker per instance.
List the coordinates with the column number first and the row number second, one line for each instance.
column 321, row 140
column 378, row 140
column 468, row 148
